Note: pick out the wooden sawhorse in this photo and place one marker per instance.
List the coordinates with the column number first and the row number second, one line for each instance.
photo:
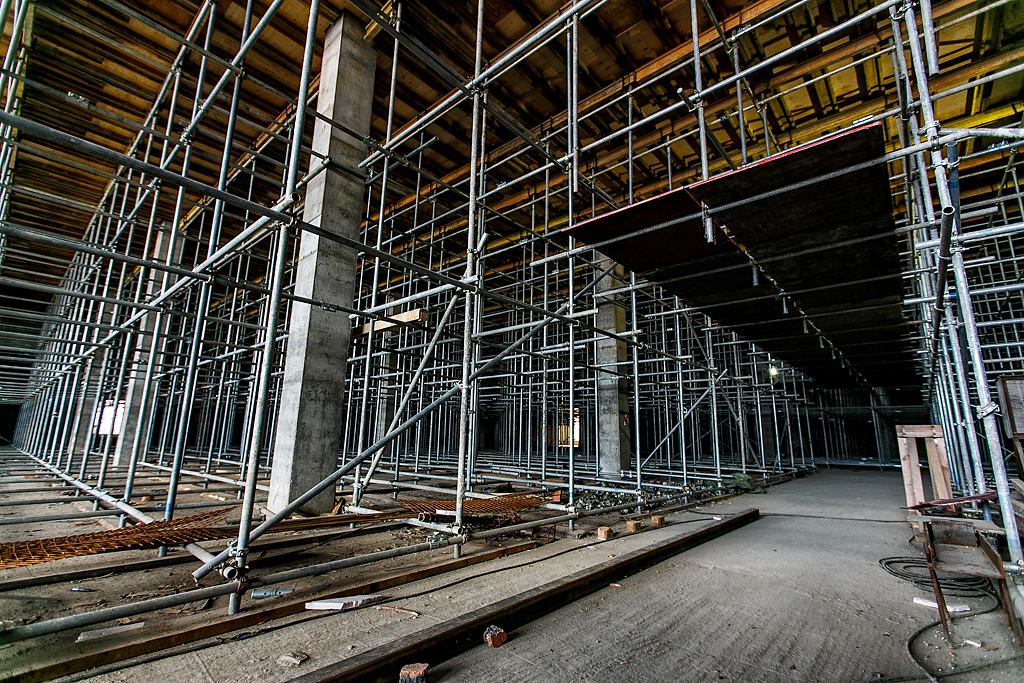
column 938, row 466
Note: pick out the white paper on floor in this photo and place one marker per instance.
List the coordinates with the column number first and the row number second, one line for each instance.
column 104, row 632
column 350, row 602
column 934, row 605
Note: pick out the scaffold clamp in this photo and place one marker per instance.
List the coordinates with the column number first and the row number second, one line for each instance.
column 987, row 409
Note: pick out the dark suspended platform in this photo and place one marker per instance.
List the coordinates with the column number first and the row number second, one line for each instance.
column 830, row 245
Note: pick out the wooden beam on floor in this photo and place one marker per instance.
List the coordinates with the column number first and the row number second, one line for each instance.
column 416, row 315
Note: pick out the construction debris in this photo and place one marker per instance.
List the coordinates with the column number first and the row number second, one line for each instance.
column 264, row 593
column 593, row 500
column 399, row 610
column 413, row 673
column 950, row 607
column 350, row 602
column 105, row 632
column 495, row 636
column 292, row 658
column 189, row 608
column 503, row 487
column 742, row 482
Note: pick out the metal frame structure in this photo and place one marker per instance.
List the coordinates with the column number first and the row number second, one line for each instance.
column 183, row 279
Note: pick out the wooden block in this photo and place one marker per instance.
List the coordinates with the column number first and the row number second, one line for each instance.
column 605, row 533
column 657, row 520
column 633, row 526
column 938, row 468
column 292, row 658
column 417, row 315
column 1018, row 485
column 413, row 673
column 495, row 636
column 558, row 497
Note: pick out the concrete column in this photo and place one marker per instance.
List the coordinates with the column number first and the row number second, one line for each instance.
column 613, row 431
column 311, row 417
column 143, row 343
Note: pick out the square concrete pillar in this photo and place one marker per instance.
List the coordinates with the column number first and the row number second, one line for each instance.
column 613, row 429
column 311, row 416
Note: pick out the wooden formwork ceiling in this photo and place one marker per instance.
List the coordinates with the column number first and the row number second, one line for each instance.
column 826, row 258
column 95, row 68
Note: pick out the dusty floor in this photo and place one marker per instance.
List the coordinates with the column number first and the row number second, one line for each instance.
column 796, row 596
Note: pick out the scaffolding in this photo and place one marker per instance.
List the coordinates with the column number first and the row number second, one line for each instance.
column 155, row 339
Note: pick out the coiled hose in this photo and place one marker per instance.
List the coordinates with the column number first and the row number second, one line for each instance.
column 915, row 570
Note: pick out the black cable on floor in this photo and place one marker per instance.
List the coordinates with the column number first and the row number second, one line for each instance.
column 915, row 571
column 978, row 667
column 837, row 519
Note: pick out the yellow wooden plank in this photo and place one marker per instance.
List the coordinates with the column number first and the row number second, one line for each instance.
column 373, row 28
column 417, row 315
column 911, row 471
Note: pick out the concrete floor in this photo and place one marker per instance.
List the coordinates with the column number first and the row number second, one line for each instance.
column 795, row 596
